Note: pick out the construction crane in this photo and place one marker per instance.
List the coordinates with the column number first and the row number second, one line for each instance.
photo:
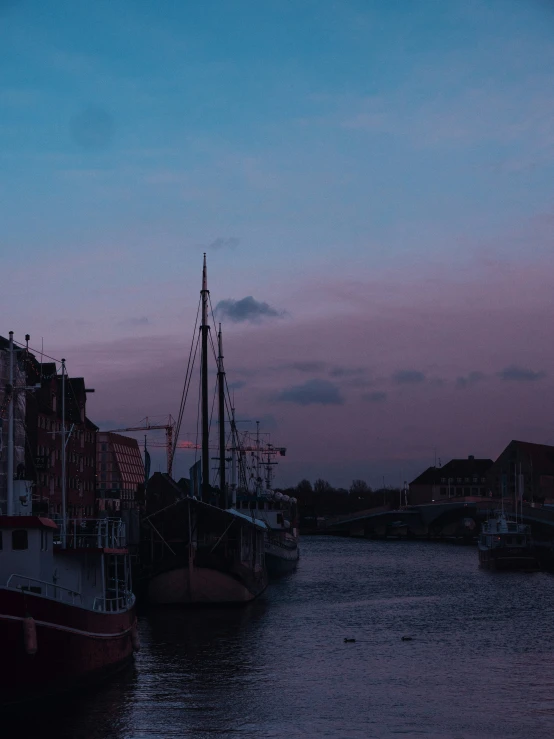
column 169, row 429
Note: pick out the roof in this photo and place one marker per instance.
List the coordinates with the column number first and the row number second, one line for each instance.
column 469, row 467
column 250, row 519
column 90, row 424
column 541, row 456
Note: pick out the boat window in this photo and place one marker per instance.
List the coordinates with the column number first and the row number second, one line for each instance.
column 0, row 541
column 43, row 540
column 20, row 540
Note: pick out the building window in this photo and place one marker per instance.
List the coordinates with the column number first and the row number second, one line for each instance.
column 20, row 540
column 443, row 491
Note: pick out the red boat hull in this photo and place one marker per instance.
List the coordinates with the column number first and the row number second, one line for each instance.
column 73, row 644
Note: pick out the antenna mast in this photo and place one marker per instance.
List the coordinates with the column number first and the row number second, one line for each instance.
column 221, row 389
column 205, row 418
column 64, row 507
column 9, row 500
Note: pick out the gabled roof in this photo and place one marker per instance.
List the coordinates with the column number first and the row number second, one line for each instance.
column 429, row 477
column 541, row 456
column 469, row 467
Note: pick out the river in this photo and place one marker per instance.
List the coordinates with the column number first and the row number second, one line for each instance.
column 480, row 664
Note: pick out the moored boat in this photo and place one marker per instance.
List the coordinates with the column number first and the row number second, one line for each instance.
column 66, row 608
column 196, row 547
column 67, row 612
column 505, row 544
column 279, row 513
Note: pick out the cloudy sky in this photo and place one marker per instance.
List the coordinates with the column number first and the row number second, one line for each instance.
column 372, row 182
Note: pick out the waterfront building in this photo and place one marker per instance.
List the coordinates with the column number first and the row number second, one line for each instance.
column 526, row 469
column 120, row 480
column 38, row 435
column 456, row 479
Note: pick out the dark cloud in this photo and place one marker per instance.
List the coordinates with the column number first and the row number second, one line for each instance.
column 246, row 309
column 520, row 374
column 307, row 366
column 347, row 371
column 133, row 322
column 375, row 397
column 312, row 392
column 236, row 385
column 470, row 379
column 231, row 242
column 408, row 377
column 93, row 128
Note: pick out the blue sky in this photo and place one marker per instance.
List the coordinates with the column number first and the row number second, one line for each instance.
column 334, row 159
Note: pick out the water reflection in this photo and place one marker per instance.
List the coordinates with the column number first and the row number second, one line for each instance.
column 481, row 662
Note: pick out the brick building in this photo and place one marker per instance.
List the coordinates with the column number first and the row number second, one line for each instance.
column 458, row 478
column 120, row 479
column 40, row 449
column 535, row 464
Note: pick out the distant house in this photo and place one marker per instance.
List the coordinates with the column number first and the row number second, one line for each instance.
column 459, row 478
column 535, row 464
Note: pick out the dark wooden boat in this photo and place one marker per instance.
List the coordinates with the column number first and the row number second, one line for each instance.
column 193, row 552
column 196, row 548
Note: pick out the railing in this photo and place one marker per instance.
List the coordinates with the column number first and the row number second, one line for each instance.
column 51, row 590
column 101, row 533
column 64, row 595
column 111, row 605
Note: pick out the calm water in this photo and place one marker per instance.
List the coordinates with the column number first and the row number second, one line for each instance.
column 481, row 663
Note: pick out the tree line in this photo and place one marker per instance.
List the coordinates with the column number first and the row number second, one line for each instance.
column 322, row 499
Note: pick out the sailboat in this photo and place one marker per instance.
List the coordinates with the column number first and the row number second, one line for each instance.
column 67, row 612
column 196, row 548
column 278, row 511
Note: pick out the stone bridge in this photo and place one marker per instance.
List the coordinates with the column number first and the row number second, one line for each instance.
column 460, row 518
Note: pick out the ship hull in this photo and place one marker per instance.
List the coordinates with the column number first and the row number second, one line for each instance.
column 73, row 645
column 203, row 585
column 281, row 561
column 507, row 560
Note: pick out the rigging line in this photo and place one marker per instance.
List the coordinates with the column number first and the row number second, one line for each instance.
column 198, row 412
column 213, row 405
column 189, row 369
column 212, row 312
column 37, row 351
column 186, row 389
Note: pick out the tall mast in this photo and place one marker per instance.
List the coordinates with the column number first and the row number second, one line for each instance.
column 9, row 500
column 64, row 501
column 221, row 389
column 258, row 478
column 205, row 419
column 235, row 441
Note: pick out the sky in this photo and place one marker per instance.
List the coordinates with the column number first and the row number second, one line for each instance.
column 372, row 182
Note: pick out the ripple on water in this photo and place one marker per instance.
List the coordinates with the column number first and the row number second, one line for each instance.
column 480, row 665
